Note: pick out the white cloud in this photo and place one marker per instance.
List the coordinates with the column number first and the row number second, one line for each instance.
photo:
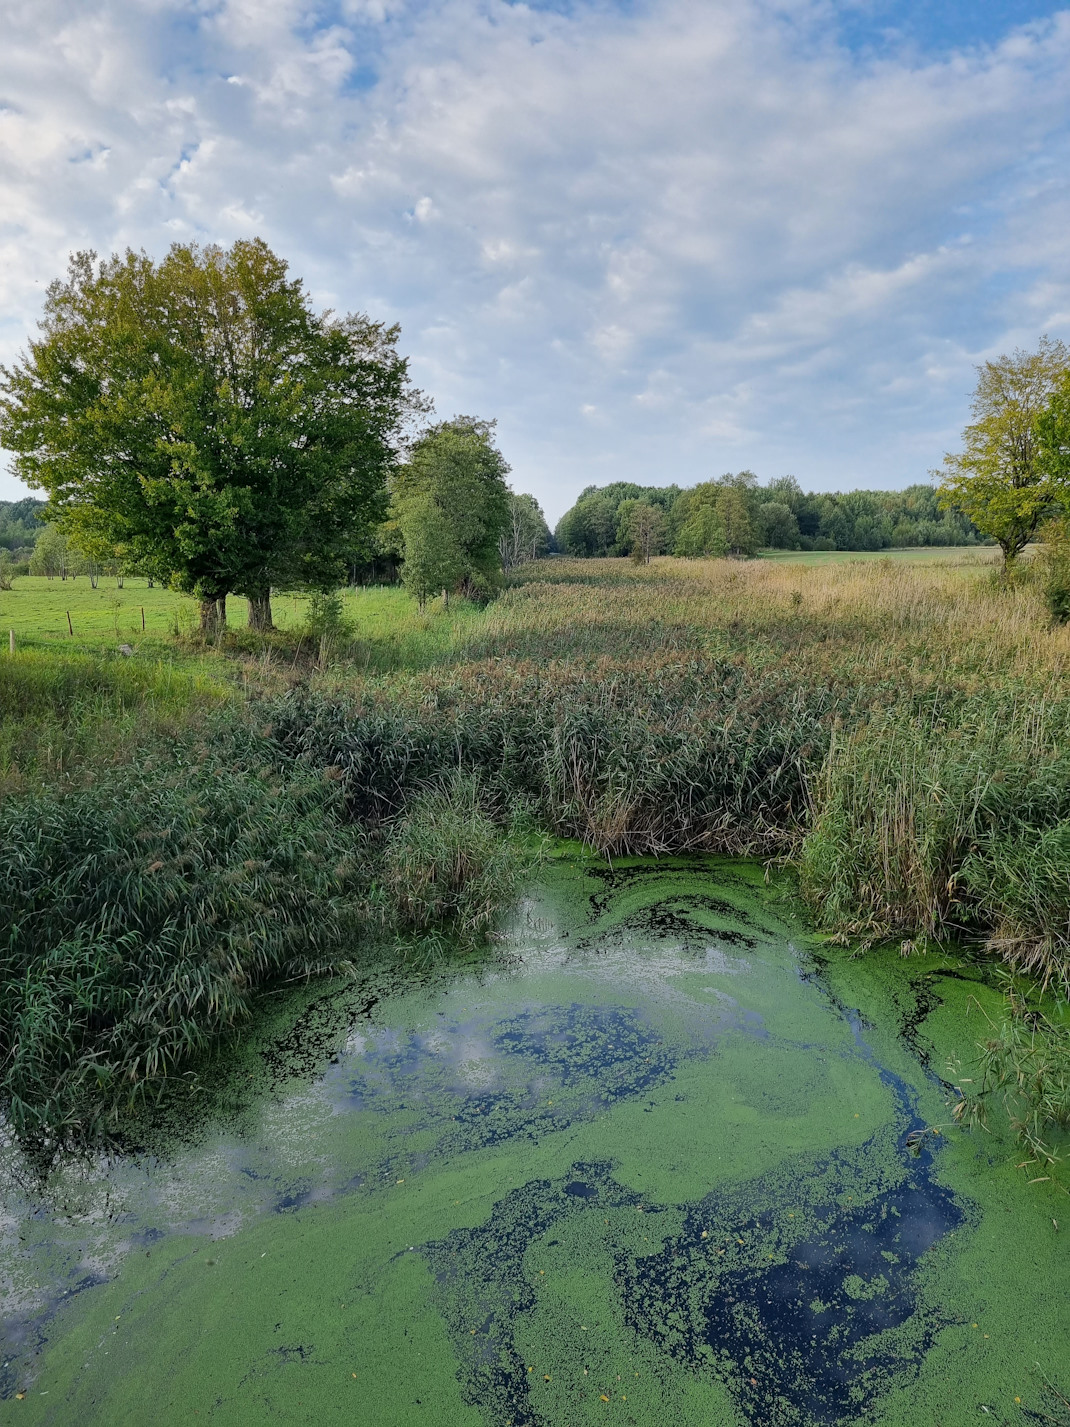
column 733, row 239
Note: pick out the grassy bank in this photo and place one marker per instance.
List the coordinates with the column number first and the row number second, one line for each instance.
column 897, row 728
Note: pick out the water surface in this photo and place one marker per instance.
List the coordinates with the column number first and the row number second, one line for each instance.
column 660, row 1159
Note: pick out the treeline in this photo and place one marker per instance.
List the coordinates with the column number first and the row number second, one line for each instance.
column 21, row 522
column 735, row 515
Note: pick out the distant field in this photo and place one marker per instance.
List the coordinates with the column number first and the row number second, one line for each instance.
column 923, row 555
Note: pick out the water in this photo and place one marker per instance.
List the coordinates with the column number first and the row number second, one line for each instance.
column 660, row 1159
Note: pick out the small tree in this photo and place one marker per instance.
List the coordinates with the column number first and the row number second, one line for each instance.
column 527, row 535
column 434, row 561
column 457, row 467
column 739, row 535
column 1001, row 480
column 642, row 529
column 50, row 553
column 780, row 529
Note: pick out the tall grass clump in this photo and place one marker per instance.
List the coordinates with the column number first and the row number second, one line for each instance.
column 948, row 820
column 661, row 757
column 446, row 861
column 144, row 908
column 140, row 915
column 1024, row 1074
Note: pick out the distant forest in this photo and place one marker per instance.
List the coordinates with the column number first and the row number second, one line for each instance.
column 20, row 525
column 737, row 515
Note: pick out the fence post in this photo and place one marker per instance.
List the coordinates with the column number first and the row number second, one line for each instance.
column 11, row 640
column 70, row 626
column 143, row 619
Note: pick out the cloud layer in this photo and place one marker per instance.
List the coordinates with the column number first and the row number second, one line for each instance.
column 657, row 240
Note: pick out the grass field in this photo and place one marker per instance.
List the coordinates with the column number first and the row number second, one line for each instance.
column 158, row 623
column 36, row 608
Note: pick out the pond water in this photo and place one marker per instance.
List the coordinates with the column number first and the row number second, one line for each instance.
column 663, row 1158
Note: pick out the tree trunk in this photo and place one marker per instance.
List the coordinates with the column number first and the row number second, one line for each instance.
column 210, row 617
column 260, row 611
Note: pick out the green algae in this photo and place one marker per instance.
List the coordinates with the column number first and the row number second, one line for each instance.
column 573, row 1182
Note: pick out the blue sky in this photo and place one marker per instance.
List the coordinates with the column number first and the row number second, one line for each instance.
column 657, row 240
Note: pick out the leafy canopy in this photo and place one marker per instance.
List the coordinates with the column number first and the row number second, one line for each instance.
column 456, row 466
column 197, row 418
column 1000, row 479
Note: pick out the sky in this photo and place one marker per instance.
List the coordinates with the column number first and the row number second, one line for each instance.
column 657, row 240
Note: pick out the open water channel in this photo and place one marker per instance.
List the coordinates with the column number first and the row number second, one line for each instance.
column 661, row 1159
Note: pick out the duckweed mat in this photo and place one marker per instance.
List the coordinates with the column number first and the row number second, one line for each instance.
column 661, row 1158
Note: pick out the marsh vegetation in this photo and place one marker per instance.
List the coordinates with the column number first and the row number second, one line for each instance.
column 184, row 826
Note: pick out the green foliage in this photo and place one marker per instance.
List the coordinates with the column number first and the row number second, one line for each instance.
column 1053, row 565
column 527, row 536
column 447, row 862
column 779, row 514
column 1025, row 1071
column 1006, row 480
column 779, row 527
column 140, row 914
column 590, row 528
column 51, row 554
column 702, row 532
column 641, row 530
column 21, row 522
column 434, row 560
column 327, row 622
column 198, row 419
column 452, row 494
column 740, row 536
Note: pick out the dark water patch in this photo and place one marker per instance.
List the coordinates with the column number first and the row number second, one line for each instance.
column 484, row 1287
column 806, row 1314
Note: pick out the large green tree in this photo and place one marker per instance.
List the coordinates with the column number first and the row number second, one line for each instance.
column 456, row 465
column 1000, row 479
column 200, row 420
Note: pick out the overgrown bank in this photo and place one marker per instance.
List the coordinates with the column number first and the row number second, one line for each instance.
column 899, row 731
